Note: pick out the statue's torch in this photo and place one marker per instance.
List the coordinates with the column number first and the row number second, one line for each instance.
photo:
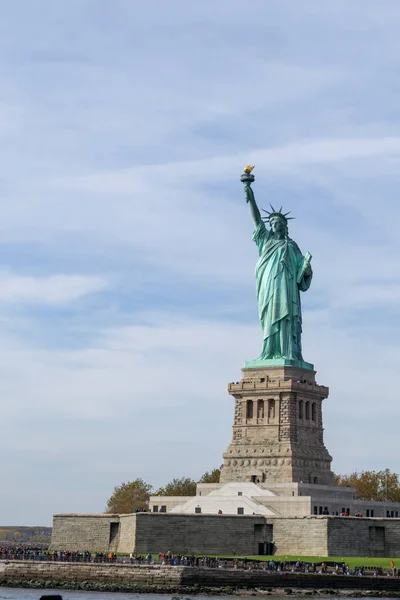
column 247, row 178
column 248, row 175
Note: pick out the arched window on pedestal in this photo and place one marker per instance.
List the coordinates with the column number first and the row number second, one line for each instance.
column 307, row 411
column 249, row 409
column 260, row 409
column 301, row 408
column 313, row 412
column 271, row 410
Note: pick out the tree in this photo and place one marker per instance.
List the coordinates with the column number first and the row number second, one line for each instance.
column 372, row 485
column 178, row 487
column 212, row 477
column 130, row 496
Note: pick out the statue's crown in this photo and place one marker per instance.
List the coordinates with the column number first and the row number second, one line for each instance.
column 277, row 214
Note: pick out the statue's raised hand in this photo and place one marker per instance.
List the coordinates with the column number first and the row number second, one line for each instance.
column 247, row 179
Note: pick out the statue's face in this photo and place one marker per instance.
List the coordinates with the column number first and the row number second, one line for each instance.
column 277, row 225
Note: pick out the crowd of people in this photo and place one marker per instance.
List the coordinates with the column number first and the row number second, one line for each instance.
column 191, row 560
column 20, row 553
column 40, row 554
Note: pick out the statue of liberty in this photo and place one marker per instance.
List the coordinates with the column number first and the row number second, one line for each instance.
column 282, row 272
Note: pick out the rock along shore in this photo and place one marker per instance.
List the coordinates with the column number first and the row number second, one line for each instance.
column 187, row 580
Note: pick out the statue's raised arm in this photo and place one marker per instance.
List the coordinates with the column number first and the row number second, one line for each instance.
column 247, row 179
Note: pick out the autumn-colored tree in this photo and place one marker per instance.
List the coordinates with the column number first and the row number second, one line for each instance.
column 212, row 477
column 178, row 487
column 372, row 485
column 133, row 495
column 130, row 496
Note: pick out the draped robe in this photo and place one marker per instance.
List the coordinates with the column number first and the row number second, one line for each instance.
column 278, row 293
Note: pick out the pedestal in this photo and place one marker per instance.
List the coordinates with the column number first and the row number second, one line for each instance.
column 277, row 428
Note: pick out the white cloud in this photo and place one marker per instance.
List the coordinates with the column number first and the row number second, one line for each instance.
column 138, row 179
column 52, row 290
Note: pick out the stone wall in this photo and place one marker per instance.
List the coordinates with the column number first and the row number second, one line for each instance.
column 175, row 577
column 289, row 506
column 200, row 534
column 152, row 532
column 82, row 532
column 336, row 536
column 166, row 503
column 259, row 578
column 392, row 537
column 300, row 536
column 363, row 537
column 127, row 534
column 227, row 534
column 100, row 573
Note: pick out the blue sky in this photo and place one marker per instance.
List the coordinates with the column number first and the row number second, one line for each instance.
column 127, row 295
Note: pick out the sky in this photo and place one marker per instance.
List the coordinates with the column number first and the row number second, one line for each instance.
column 127, row 292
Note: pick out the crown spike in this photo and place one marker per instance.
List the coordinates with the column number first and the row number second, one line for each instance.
column 276, row 213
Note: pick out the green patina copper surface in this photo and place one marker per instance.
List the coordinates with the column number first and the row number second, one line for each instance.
column 282, row 272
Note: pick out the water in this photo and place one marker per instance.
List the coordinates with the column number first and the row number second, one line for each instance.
column 28, row 594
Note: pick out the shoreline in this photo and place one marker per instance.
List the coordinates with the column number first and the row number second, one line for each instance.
column 182, row 592
column 181, row 581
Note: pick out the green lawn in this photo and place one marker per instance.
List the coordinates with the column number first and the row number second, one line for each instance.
column 352, row 561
